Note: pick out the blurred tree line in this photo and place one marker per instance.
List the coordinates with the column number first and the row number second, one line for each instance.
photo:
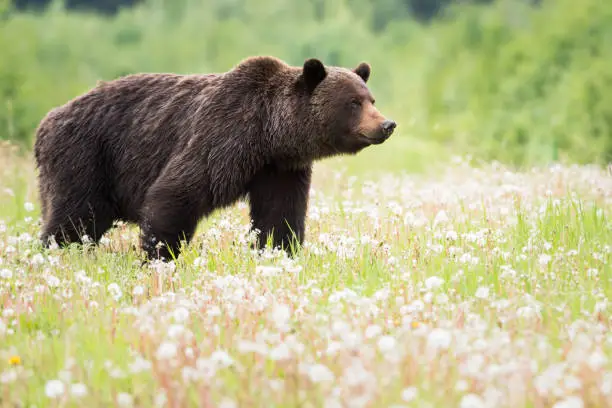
column 509, row 80
column 420, row 9
column 103, row 6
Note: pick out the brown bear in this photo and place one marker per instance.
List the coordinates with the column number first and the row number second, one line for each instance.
column 164, row 150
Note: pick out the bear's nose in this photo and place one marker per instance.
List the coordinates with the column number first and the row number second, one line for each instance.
column 388, row 126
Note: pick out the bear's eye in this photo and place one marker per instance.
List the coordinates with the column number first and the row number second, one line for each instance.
column 355, row 103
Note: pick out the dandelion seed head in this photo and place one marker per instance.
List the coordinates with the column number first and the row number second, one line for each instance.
column 472, row 401
column 180, row 314
column 115, row 291
column 138, row 291
column 78, row 390
column 227, row 403
column 386, row 344
column 373, row 331
column 318, row 373
column 54, row 388
column 433, row 282
column 9, row 376
column 482, row 292
column 125, row 400
column 166, row 351
column 570, row 402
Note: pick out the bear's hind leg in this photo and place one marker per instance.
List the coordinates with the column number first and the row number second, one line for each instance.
column 69, row 224
column 279, row 201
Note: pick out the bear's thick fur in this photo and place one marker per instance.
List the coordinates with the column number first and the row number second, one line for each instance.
column 165, row 150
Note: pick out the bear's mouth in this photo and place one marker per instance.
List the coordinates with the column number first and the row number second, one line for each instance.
column 373, row 140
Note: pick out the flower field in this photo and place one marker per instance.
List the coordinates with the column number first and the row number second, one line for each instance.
column 472, row 286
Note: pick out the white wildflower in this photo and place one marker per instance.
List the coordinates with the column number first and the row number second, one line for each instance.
column 281, row 315
column 544, row 259
column 438, row 339
column 441, row 299
column 78, row 390
column 199, row 262
column 53, row 281
column 597, row 360
column 214, row 311
column 386, row 344
column 166, row 351
column 355, row 374
column 175, row 330
column 332, row 402
column 139, row 365
column 409, row 394
column 471, row 401
column 433, row 282
column 280, row 352
column 8, row 376
column 180, row 314
column 265, row 270
column 293, row 268
column 474, row 364
column 451, row 235
column 570, row 402
column 125, row 400
column 115, row 291
column 372, row 330
column 29, row 207
column 221, row 358
column 606, row 384
column 461, row 386
column 572, row 383
column 160, row 399
column 526, row 311
column 441, row 217
column 65, row 376
column 246, row 346
column 37, row 259
column 549, row 378
column 320, row 373
column 227, row 403
column 54, row 388
column 333, row 348
column 601, row 306
column 482, row 292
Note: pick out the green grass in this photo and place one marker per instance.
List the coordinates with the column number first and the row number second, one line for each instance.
column 467, row 283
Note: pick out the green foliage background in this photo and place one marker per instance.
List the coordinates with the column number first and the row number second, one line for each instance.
column 507, row 81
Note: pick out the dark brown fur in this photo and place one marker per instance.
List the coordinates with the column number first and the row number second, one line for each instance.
column 165, row 150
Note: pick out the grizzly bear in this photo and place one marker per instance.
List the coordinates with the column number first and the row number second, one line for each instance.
column 165, row 150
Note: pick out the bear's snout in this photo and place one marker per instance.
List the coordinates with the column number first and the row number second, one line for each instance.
column 388, row 126
column 374, row 126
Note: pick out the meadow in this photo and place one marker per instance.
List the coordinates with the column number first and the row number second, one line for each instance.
column 468, row 286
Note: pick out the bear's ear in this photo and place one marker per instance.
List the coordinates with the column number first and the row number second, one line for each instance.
column 314, row 73
column 363, row 70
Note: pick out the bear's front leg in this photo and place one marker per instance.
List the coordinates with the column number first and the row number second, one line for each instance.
column 279, row 200
column 170, row 214
column 162, row 241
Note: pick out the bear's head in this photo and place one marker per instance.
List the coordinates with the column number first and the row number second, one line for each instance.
column 343, row 107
